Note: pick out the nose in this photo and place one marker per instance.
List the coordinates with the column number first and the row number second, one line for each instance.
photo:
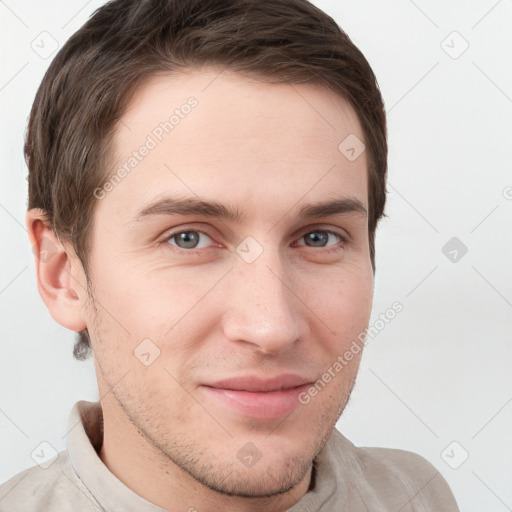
column 262, row 308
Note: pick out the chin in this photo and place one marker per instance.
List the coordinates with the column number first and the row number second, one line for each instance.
column 269, row 480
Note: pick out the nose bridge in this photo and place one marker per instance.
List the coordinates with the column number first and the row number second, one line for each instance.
column 262, row 308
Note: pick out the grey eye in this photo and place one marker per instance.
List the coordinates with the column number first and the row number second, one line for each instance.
column 318, row 238
column 187, row 239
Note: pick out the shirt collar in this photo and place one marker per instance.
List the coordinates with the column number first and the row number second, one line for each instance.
column 85, row 436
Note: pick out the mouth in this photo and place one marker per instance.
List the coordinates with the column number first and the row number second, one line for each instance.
column 258, row 398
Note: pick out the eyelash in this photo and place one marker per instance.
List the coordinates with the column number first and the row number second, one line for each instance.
column 343, row 240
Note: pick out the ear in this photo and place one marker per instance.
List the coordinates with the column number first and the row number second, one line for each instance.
column 60, row 276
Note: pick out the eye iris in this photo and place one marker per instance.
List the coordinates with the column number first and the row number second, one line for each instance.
column 189, row 238
column 319, row 238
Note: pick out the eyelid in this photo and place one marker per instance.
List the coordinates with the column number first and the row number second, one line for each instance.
column 344, row 236
column 328, row 231
column 342, row 233
column 183, row 229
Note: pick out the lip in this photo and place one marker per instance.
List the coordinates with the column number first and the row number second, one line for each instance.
column 258, row 398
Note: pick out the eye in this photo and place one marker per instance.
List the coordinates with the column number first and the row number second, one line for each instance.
column 320, row 238
column 190, row 239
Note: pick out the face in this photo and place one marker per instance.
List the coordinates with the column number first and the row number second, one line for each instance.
column 221, row 293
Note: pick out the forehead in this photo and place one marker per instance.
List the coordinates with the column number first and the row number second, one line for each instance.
column 210, row 133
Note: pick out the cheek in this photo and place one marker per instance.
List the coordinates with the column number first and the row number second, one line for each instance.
column 131, row 297
column 344, row 303
column 162, row 307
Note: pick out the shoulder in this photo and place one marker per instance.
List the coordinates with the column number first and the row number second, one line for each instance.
column 54, row 488
column 394, row 477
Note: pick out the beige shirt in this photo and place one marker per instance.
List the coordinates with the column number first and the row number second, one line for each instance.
column 346, row 478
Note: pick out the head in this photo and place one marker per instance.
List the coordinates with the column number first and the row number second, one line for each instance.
column 176, row 153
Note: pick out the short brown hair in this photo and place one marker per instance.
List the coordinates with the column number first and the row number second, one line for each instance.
column 91, row 80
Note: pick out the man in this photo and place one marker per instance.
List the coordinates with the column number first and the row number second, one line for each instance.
column 205, row 181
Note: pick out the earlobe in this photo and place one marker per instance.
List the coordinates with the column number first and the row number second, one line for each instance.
column 57, row 273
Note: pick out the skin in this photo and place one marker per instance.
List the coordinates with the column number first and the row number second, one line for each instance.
column 267, row 149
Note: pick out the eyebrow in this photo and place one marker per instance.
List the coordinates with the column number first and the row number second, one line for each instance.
column 194, row 206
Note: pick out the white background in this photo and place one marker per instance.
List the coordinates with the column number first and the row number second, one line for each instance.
column 440, row 371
